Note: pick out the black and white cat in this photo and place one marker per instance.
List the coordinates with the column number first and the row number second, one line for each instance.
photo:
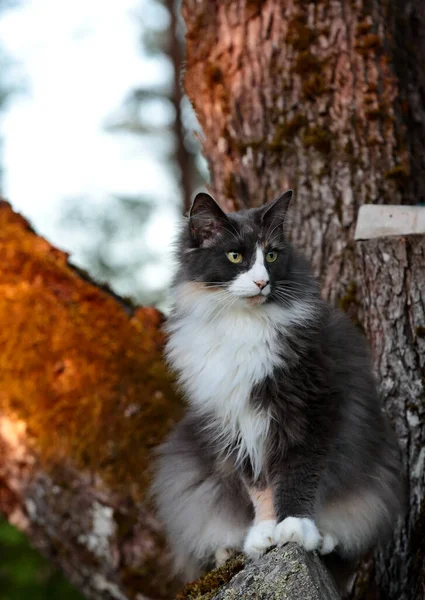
column 284, row 438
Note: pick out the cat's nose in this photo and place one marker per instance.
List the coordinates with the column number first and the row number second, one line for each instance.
column 261, row 283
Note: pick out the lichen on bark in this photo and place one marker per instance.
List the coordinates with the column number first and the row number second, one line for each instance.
column 85, row 398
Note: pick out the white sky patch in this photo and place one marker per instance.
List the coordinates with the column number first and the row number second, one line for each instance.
column 78, row 61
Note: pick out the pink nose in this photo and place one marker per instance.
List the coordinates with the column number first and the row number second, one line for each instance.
column 261, row 283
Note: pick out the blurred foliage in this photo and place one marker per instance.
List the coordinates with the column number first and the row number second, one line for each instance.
column 162, row 37
column 161, row 117
column 116, row 251
column 25, row 575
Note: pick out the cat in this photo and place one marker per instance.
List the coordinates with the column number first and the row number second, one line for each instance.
column 284, row 438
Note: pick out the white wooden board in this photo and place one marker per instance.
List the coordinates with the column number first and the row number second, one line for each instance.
column 376, row 221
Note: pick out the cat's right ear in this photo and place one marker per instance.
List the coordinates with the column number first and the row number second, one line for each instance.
column 206, row 219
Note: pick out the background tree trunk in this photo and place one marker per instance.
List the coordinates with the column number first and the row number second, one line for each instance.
column 328, row 98
column 392, row 275
column 84, row 398
column 325, row 97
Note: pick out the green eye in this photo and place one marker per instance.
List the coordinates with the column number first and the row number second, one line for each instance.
column 271, row 256
column 234, row 257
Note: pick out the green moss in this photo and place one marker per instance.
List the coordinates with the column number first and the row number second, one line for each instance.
column 201, row 21
column 285, row 132
column 363, row 27
column 230, row 187
column 365, row 585
column 398, row 172
column 254, row 7
column 85, row 374
column 317, row 138
column 300, row 36
column 254, row 143
column 349, row 303
column 374, row 114
column 369, row 98
column 346, row 301
column 206, row 587
column 306, row 62
column 368, row 42
column 349, row 148
column 313, row 86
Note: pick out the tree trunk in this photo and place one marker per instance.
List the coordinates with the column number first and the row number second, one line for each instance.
column 84, row 398
column 325, row 97
column 392, row 275
column 282, row 573
column 328, row 98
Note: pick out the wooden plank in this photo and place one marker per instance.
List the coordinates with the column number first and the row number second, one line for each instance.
column 376, row 221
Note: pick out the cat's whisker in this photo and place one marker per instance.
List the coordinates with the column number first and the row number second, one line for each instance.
column 235, row 233
column 284, row 296
column 269, row 233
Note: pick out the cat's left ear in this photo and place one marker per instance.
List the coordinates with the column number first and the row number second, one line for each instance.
column 206, row 219
column 276, row 210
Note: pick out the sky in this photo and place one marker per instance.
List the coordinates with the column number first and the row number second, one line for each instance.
column 75, row 62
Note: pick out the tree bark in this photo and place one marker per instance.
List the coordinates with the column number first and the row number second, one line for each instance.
column 328, row 98
column 289, row 572
column 84, row 398
column 325, row 97
column 392, row 275
column 183, row 159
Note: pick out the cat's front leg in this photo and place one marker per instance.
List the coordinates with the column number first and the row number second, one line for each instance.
column 294, row 486
column 261, row 534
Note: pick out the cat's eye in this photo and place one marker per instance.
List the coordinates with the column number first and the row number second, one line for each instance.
column 271, row 256
column 234, row 257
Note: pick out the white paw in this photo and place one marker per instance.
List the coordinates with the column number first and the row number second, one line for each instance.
column 300, row 530
column 222, row 555
column 328, row 544
column 259, row 538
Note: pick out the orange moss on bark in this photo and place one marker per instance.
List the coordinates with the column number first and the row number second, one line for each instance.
column 85, row 373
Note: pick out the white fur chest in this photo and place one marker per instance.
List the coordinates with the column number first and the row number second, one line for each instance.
column 220, row 354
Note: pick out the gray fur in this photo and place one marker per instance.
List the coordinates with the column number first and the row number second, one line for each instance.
column 329, row 452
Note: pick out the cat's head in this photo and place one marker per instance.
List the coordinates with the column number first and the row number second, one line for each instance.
column 245, row 255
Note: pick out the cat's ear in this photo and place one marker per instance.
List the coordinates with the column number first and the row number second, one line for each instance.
column 275, row 212
column 206, row 219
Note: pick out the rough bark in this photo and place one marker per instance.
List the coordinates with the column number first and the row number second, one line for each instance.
column 84, row 398
column 326, row 97
column 183, row 159
column 282, row 573
column 392, row 274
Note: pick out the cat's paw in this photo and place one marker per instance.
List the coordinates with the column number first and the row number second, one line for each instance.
column 300, row 530
column 222, row 555
column 259, row 538
column 329, row 543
